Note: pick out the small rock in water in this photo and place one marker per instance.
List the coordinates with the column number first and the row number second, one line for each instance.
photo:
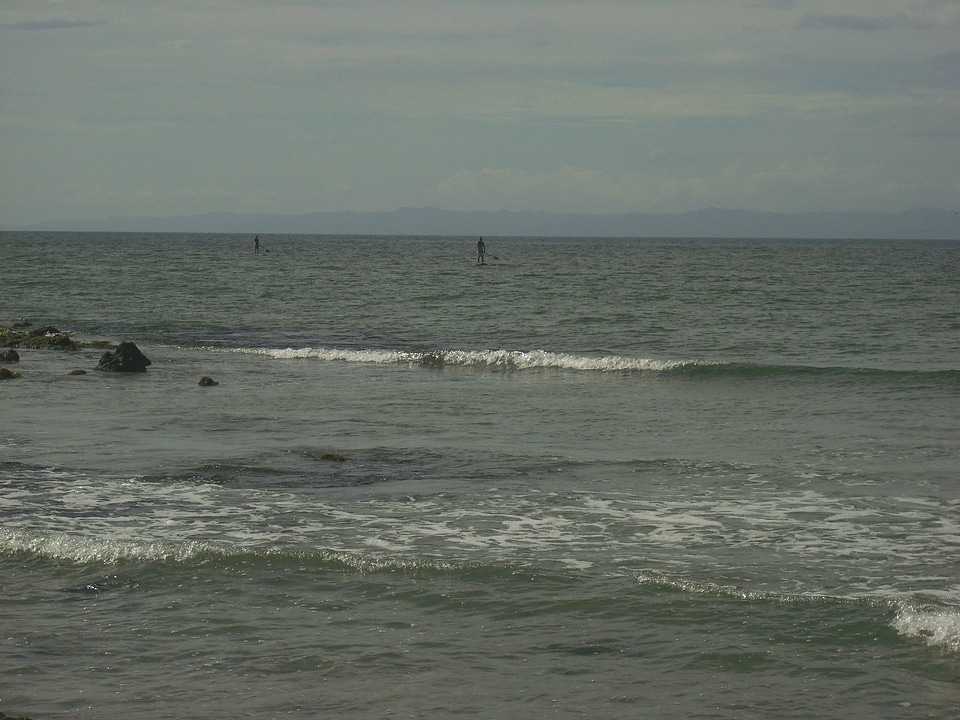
column 334, row 457
column 126, row 358
column 207, row 381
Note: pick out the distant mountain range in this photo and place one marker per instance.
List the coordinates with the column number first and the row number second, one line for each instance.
column 921, row 223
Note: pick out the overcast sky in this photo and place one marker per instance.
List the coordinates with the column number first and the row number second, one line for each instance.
column 173, row 107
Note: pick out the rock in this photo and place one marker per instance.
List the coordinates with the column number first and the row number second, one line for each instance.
column 9, row 355
column 333, row 457
column 78, row 371
column 46, row 330
column 45, row 338
column 126, row 358
column 6, row 374
column 206, row 381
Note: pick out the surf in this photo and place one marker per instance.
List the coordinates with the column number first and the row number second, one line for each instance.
column 516, row 360
column 539, row 359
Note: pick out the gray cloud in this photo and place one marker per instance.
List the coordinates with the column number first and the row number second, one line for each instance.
column 54, row 24
column 172, row 107
column 860, row 23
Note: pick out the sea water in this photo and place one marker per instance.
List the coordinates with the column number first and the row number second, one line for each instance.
column 608, row 478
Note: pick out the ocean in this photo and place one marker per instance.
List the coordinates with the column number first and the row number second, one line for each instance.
column 591, row 478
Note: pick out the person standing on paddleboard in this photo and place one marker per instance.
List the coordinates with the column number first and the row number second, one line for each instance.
column 256, row 245
column 481, row 250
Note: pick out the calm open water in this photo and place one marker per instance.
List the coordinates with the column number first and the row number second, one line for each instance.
column 593, row 478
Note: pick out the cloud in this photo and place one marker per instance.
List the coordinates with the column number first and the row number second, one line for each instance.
column 53, row 24
column 774, row 4
column 862, row 23
column 822, row 182
column 593, row 105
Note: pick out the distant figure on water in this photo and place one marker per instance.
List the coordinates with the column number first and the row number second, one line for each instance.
column 481, row 251
column 256, row 245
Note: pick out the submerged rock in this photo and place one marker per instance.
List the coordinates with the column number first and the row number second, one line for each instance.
column 6, row 373
column 126, row 358
column 78, row 371
column 333, row 457
column 325, row 456
column 206, row 381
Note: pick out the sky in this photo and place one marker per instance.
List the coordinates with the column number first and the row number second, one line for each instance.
column 181, row 107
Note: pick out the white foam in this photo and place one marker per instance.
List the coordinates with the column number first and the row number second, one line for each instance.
column 940, row 628
column 86, row 549
column 496, row 359
column 804, row 543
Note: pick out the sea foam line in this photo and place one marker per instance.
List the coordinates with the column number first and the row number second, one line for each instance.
column 492, row 359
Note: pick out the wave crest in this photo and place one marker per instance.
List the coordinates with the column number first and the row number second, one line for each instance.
column 483, row 359
column 520, row 360
column 83, row 550
column 940, row 628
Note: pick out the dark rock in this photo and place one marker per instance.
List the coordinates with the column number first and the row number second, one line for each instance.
column 206, row 381
column 47, row 338
column 126, row 358
column 78, row 371
column 59, row 341
column 9, row 355
column 333, row 457
column 46, row 330
column 6, row 374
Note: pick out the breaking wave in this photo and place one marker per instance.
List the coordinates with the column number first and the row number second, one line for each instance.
column 484, row 359
column 524, row 360
column 939, row 627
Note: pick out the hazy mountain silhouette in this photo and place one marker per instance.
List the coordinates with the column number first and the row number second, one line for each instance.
column 921, row 223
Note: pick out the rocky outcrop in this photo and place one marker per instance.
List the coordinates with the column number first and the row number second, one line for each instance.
column 126, row 358
column 44, row 338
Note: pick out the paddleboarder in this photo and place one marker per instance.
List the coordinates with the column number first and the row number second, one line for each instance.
column 481, row 251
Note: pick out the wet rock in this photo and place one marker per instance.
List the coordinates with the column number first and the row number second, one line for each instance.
column 9, row 355
column 206, row 381
column 333, row 457
column 44, row 338
column 126, row 358
column 7, row 374
column 78, row 371
column 45, row 330
column 325, row 456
